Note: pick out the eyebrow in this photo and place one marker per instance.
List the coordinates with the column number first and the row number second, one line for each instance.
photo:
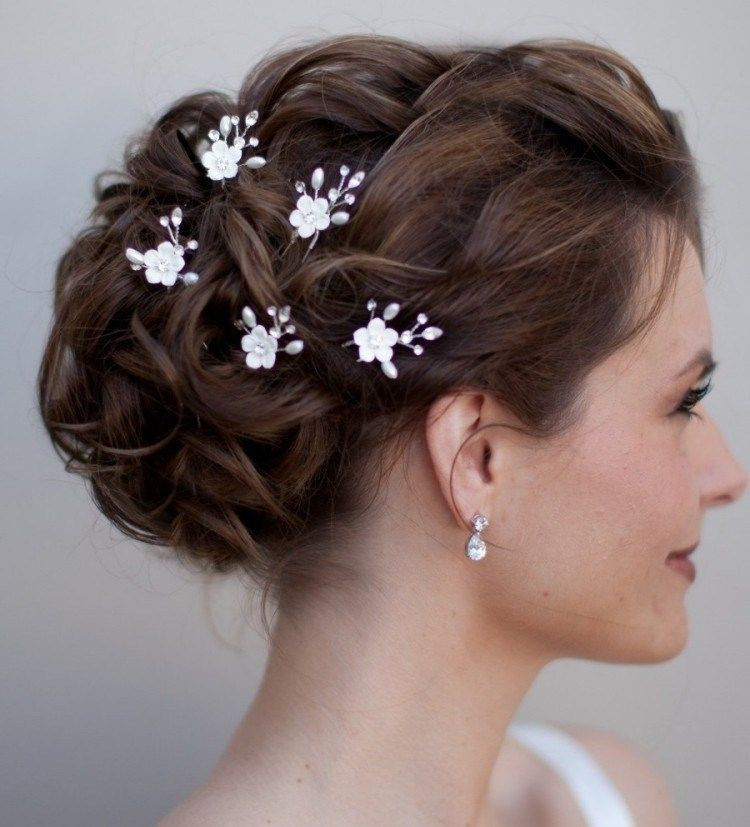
column 702, row 357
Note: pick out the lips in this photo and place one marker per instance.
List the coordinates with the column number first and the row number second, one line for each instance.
column 680, row 562
column 684, row 551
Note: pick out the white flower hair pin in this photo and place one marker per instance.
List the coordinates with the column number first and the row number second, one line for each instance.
column 164, row 263
column 221, row 161
column 260, row 344
column 376, row 341
column 313, row 213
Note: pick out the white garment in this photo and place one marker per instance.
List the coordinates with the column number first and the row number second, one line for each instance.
column 600, row 801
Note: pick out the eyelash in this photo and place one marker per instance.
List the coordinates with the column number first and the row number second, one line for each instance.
column 693, row 397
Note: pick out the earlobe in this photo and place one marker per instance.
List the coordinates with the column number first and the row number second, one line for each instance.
column 451, row 422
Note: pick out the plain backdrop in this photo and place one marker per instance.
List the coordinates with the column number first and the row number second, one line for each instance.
column 123, row 677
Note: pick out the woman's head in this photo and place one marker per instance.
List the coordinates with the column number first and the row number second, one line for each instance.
column 585, row 520
column 522, row 197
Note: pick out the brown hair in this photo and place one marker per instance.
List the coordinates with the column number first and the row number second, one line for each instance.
column 512, row 193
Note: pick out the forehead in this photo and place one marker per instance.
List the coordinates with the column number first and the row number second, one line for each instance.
column 684, row 325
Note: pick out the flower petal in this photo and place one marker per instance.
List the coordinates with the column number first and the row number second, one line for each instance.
column 151, row 258
column 376, row 325
column 153, row 276
column 390, row 336
column 165, row 249
column 175, row 262
column 269, row 357
column 320, row 206
column 384, row 353
column 220, row 148
column 252, row 360
column 306, row 230
column 305, row 203
column 168, row 278
column 366, row 353
column 361, row 336
column 296, row 217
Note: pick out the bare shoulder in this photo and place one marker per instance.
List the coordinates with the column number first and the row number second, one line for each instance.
column 210, row 806
column 638, row 778
column 192, row 812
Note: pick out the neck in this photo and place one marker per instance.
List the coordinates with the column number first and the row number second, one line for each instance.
column 391, row 701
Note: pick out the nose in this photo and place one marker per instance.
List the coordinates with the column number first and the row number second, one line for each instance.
column 722, row 479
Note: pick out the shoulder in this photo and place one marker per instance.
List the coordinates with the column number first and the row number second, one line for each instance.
column 638, row 778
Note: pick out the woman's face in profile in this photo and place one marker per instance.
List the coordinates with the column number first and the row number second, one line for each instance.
column 592, row 517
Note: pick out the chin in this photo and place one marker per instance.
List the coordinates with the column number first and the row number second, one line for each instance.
column 663, row 641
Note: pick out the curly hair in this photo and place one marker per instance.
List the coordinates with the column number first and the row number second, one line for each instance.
column 512, row 193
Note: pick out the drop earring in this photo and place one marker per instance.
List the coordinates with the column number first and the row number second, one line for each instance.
column 476, row 548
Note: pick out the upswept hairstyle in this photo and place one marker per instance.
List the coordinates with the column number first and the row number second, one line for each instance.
column 515, row 194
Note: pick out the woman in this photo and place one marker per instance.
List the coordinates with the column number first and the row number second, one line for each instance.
column 434, row 521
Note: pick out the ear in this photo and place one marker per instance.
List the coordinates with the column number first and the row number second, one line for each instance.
column 451, row 428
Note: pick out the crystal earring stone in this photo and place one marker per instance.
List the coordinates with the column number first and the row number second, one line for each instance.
column 476, row 548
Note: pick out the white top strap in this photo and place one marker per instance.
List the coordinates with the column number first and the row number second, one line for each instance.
column 600, row 801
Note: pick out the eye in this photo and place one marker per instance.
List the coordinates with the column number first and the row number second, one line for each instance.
column 693, row 397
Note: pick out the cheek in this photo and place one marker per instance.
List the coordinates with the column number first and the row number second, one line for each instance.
column 635, row 492
column 608, row 505
column 588, row 530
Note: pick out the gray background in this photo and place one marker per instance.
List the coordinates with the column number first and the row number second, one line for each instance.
column 124, row 677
